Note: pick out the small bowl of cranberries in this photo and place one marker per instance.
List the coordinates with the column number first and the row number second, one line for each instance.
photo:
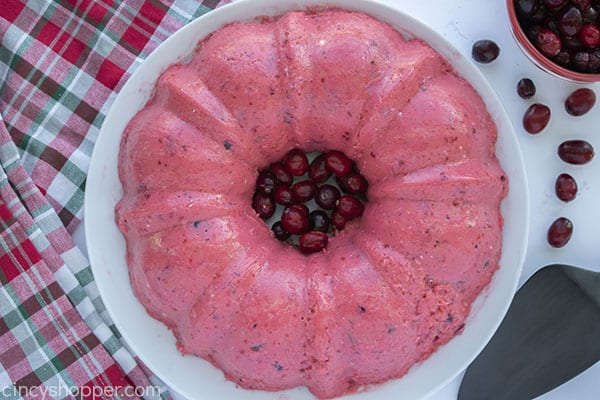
column 561, row 36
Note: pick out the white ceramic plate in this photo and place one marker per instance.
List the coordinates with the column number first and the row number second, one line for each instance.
column 155, row 345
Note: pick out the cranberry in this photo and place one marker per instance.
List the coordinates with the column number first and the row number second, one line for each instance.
column 555, row 3
column 536, row 118
column 295, row 162
column 526, row 88
column 279, row 232
column 302, row 208
column 572, row 44
column 565, row 31
column 587, row 61
column 285, row 183
column 281, row 174
column 266, row 181
column 590, row 36
column 318, row 171
column 350, row 206
column 263, row 205
column 560, row 232
column 353, row 183
column 563, row 58
column 532, row 33
column 571, row 21
column 590, row 16
column 312, row 242
column 595, row 61
column 553, row 25
column 582, row 4
column 295, row 219
column 580, row 101
column 303, row 191
column 525, row 7
column 540, row 14
column 548, row 42
column 338, row 220
column 338, row 163
column 283, row 195
column 582, row 61
column 485, row 51
column 565, row 187
column 576, row 152
column 318, row 221
column 326, row 196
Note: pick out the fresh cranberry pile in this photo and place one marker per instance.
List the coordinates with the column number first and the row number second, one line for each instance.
column 318, row 198
column 565, row 31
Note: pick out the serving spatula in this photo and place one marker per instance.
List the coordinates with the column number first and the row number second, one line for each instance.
column 551, row 333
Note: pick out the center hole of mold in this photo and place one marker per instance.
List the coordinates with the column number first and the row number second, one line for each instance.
column 306, row 198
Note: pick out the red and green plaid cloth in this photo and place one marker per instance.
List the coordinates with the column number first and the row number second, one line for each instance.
column 61, row 65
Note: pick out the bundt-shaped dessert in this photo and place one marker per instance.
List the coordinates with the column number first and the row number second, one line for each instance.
column 392, row 286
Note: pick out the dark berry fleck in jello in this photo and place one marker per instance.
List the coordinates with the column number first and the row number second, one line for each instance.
column 317, row 199
column 565, row 31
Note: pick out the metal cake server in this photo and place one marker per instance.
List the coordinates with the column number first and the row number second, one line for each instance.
column 551, row 333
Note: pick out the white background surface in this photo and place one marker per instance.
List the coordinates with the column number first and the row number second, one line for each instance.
column 463, row 22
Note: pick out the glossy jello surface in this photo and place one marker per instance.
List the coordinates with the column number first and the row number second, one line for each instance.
column 391, row 287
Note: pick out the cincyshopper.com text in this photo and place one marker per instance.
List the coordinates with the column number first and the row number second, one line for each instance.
column 86, row 392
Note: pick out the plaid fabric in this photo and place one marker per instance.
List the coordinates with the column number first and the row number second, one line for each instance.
column 52, row 337
column 61, row 64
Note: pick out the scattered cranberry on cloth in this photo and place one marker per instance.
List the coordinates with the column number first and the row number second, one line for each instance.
column 61, row 65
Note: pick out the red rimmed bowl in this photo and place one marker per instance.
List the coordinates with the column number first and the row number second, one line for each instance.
column 539, row 59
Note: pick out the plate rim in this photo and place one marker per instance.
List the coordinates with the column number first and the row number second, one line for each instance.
column 96, row 172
